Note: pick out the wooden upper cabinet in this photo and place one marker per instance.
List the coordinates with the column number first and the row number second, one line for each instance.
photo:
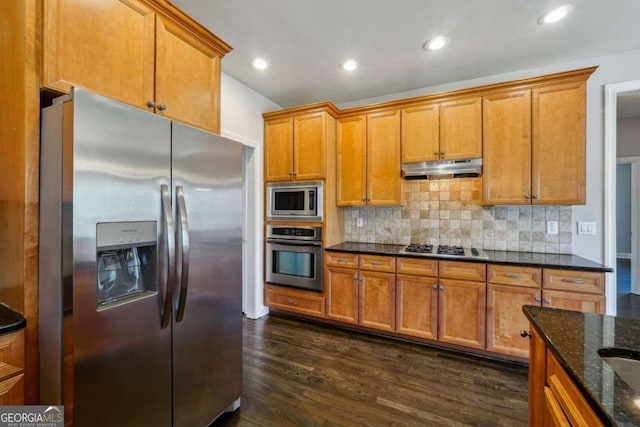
column 421, row 133
column 187, row 77
column 383, row 159
column 278, row 154
column 506, row 145
column 145, row 53
column 461, row 129
column 296, row 145
column 351, row 160
column 104, row 46
column 310, row 146
column 559, row 143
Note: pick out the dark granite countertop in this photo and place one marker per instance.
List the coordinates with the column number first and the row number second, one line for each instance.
column 10, row 320
column 574, row 338
column 527, row 259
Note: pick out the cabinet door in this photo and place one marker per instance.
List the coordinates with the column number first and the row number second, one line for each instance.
column 309, row 146
column 506, row 146
column 12, row 391
column 278, row 149
column 351, row 160
column 587, row 303
column 505, row 318
column 559, row 144
column 461, row 312
column 104, row 46
column 383, row 159
column 461, row 129
column 187, row 77
column 342, row 294
column 417, row 306
column 421, row 133
column 377, row 300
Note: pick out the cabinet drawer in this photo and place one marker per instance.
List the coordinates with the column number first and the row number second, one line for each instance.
column 378, row 263
column 302, row 302
column 573, row 404
column 417, row 267
column 11, row 354
column 341, row 259
column 463, row 270
column 570, row 280
column 516, row 276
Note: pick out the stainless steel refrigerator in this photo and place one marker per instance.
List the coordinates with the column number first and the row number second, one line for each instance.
column 140, row 266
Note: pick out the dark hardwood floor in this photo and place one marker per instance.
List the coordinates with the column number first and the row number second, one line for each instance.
column 302, row 374
column 628, row 303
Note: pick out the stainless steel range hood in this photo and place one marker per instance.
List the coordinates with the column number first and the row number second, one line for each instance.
column 442, row 169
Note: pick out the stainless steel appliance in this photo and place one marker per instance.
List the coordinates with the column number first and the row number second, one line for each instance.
column 298, row 201
column 294, row 256
column 443, row 169
column 444, row 251
column 140, row 267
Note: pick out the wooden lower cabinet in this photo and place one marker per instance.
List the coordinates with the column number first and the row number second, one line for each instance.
column 295, row 300
column 417, row 306
column 12, row 368
column 342, row 294
column 505, row 318
column 377, row 300
column 462, row 312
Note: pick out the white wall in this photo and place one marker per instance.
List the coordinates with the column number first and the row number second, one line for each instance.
column 628, row 137
column 241, row 119
column 613, row 68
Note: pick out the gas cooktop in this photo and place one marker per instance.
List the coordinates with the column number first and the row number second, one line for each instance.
column 444, row 251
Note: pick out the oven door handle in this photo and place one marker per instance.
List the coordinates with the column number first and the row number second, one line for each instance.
column 294, row 242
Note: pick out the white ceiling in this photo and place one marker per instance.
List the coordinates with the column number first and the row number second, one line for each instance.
column 304, row 41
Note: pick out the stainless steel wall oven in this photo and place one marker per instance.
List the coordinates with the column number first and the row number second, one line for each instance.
column 294, row 256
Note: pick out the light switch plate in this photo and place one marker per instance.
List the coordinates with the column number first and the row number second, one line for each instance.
column 552, row 227
column 587, row 228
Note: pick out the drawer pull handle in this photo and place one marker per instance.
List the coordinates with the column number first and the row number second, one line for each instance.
column 341, row 261
column 377, row 263
column 292, row 303
column 514, row 276
column 574, row 281
column 525, row 334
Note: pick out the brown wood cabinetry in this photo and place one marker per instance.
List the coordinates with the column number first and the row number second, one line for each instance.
column 364, row 294
column 295, row 300
column 417, row 297
column 534, row 143
column 368, row 160
column 145, row 53
column 297, row 145
column 12, row 368
column 442, row 131
column 554, row 400
column 573, row 290
column 508, row 289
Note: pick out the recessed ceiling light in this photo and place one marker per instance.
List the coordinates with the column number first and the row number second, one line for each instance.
column 435, row 43
column 555, row 15
column 259, row 64
column 349, row 65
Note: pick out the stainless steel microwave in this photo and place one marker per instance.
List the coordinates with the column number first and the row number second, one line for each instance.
column 295, row 201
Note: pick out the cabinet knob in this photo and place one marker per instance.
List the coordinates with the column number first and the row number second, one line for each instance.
column 162, row 107
column 534, row 197
column 151, row 104
column 435, row 153
column 355, row 277
column 435, row 287
column 441, row 288
column 442, row 153
column 538, row 299
column 547, row 301
column 527, row 196
column 525, row 334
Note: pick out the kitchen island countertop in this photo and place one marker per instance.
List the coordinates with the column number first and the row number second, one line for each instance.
column 575, row 338
column 525, row 259
column 10, row 320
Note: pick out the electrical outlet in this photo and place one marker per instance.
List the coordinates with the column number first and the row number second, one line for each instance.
column 359, row 222
column 552, row 227
column 587, row 228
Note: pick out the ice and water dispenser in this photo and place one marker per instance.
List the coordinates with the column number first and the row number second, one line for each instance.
column 126, row 261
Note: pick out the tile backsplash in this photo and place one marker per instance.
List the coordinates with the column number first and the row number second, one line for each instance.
column 450, row 212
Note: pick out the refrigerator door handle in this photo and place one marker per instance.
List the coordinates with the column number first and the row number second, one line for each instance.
column 183, row 251
column 170, row 260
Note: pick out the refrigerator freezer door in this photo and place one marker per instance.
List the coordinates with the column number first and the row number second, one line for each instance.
column 207, row 341
column 122, row 356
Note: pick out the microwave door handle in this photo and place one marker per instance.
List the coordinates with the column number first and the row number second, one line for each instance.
column 182, row 251
column 169, row 263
